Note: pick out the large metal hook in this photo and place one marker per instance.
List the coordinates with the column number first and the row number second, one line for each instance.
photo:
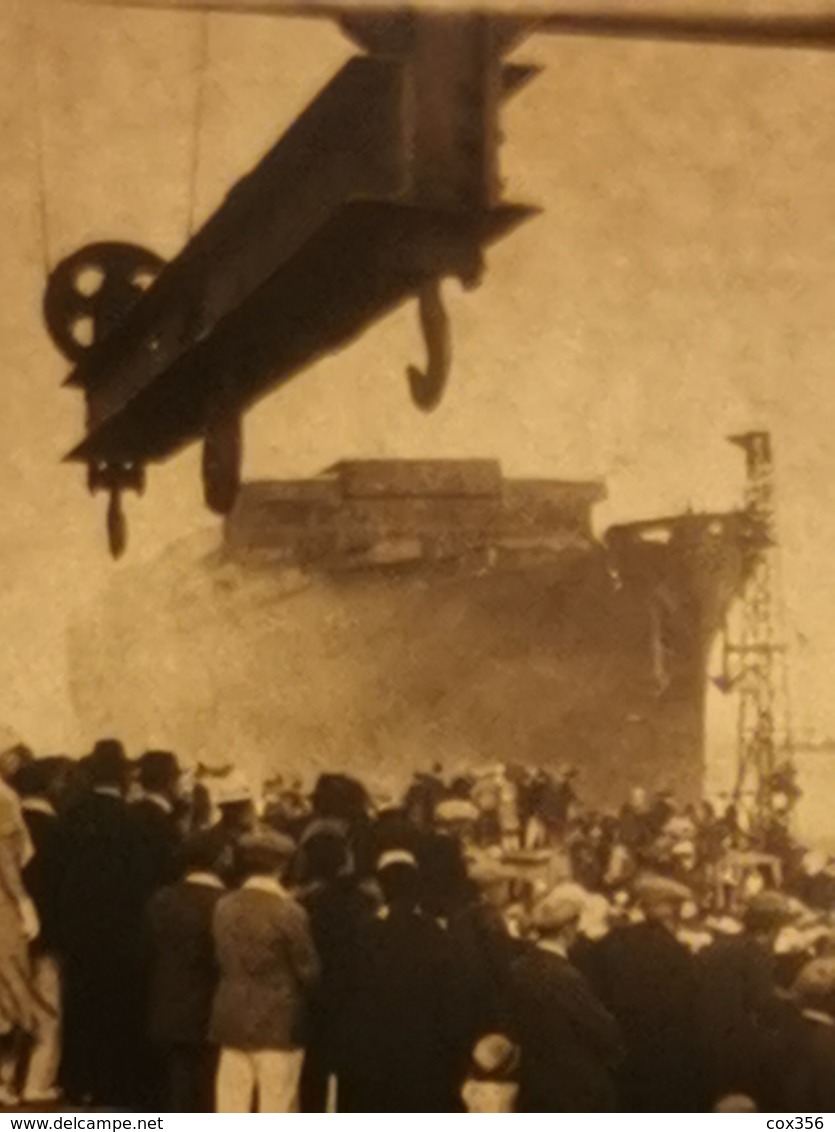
column 428, row 387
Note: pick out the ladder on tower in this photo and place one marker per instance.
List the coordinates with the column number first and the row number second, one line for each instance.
column 756, row 660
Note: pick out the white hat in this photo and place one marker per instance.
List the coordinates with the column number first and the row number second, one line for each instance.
column 455, row 810
column 724, row 925
column 814, row 862
column 230, row 789
column 396, row 857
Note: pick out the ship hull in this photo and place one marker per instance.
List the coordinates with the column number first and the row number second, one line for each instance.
column 594, row 655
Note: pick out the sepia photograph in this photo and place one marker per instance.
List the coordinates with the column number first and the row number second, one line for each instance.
column 418, row 497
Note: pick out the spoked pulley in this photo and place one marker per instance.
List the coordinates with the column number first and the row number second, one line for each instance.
column 92, row 290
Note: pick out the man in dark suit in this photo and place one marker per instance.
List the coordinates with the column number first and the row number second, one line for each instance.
column 339, row 907
column 740, row 1012
column 647, row 979
column 570, row 1044
column 182, row 978
column 156, row 817
column 404, row 1043
column 100, row 906
column 268, row 967
column 810, row 1068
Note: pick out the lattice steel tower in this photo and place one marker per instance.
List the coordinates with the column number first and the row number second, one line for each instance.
column 758, row 657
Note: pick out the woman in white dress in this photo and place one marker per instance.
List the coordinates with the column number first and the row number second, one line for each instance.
column 19, row 1007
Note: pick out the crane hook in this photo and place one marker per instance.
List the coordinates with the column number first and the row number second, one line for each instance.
column 427, row 388
column 115, row 479
column 117, row 531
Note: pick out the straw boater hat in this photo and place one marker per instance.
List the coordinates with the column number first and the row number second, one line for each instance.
column 231, row 789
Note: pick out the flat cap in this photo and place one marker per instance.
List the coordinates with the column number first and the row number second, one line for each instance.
column 769, row 909
column 652, row 890
column 562, row 906
column 266, row 848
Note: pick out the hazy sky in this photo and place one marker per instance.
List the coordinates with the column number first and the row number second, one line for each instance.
column 679, row 286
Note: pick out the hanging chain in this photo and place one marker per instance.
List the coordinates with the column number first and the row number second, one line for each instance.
column 40, row 141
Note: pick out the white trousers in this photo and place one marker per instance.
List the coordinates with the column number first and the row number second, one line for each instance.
column 270, row 1077
column 490, row 1096
column 42, row 1071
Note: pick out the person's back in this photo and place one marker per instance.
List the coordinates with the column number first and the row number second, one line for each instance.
column 100, row 909
column 647, row 979
column 405, row 1036
column 404, row 1056
column 268, row 966
column 571, row 1045
column 810, row 1073
column 811, row 1086
column 339, row 906
column 100, row 902
column 339, row 913
column 155, row 816
column 183, row 970
column 182, row 980
column 734, row 1007
column 266, row 963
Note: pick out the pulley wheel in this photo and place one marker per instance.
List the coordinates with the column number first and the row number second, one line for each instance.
column 92, row 290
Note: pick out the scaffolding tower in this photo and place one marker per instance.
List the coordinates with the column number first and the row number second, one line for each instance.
column 756, row 657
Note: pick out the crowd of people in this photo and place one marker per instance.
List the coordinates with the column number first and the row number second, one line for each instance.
column 175, row 941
